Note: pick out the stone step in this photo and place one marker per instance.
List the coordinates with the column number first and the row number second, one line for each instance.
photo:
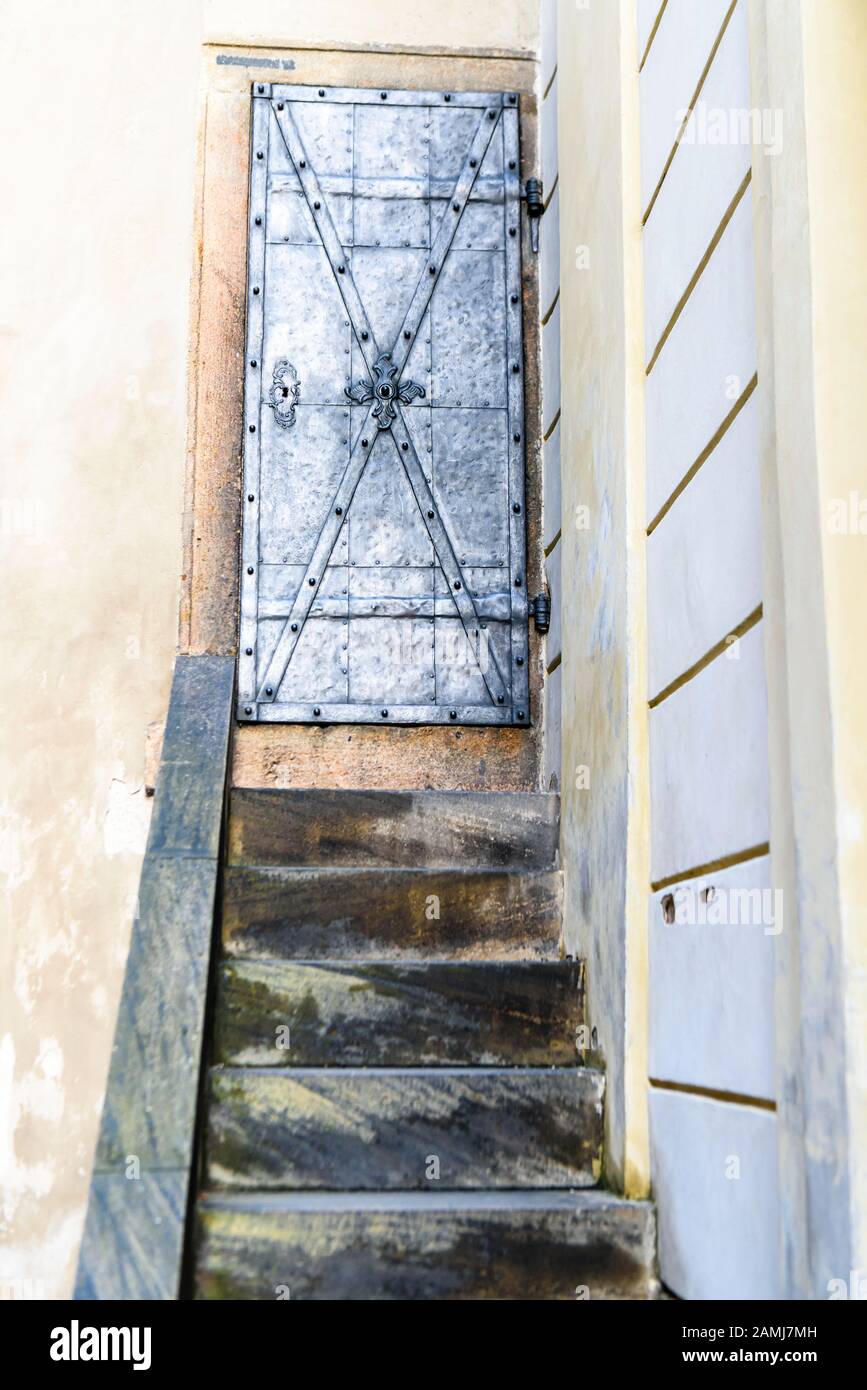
column 372, row 829
column 403, row 1129
column 424, row 1246
column 308, row 914
column 396, row 1014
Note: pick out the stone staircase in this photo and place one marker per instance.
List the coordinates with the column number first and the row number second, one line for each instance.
column 395, row 1104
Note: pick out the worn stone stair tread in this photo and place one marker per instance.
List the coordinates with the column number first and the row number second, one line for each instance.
column 365, row 1128
column 393, row 829
column 348, row 913
column 398, row 1013
column 500, row 1199
column 538, row 1244
column 428, row 1132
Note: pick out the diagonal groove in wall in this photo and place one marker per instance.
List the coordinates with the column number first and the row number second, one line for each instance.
column 550, row 547
column 706, row 452
column 700, row 269
column 689, row 110
column 551, row 428
column 547, row 316
column 652, row 35
column 712, row 866
column 708, row 1093
column 716, row 650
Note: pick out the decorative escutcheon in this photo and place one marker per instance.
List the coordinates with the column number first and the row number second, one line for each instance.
column 285, row 393
column 384, row 390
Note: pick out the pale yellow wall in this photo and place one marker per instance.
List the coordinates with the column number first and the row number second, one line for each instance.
column 835, row 47
column 98, row 185
column 416, row 26
column 604, row 837
column 96, row 182
column 809, row 59
column 811, row 227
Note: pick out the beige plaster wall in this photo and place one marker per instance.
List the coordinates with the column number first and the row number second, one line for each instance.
column 98, row 181
column 835, row 47
column 99, row 115
column 808, row 63
column 605, row 797
column 416, row 26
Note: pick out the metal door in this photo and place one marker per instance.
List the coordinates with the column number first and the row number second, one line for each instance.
column 383, row 552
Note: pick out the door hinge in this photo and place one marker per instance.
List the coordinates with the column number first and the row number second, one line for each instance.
column 540, row 611
column 535, row 209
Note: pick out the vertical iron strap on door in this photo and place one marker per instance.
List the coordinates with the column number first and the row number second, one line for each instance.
column 253, row 378
column 515, row 358
column 349, row 613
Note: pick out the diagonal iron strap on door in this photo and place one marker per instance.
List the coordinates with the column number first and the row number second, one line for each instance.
column 383, row 546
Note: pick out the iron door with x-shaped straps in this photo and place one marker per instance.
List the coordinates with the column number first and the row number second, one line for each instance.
column 383, row 539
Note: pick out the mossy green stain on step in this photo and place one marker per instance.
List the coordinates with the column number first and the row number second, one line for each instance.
column 399, row 1013
column 364, row 1128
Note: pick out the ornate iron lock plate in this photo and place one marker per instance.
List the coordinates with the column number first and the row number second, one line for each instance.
column 383, row 547
column 285, row 393
column 385, row 390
